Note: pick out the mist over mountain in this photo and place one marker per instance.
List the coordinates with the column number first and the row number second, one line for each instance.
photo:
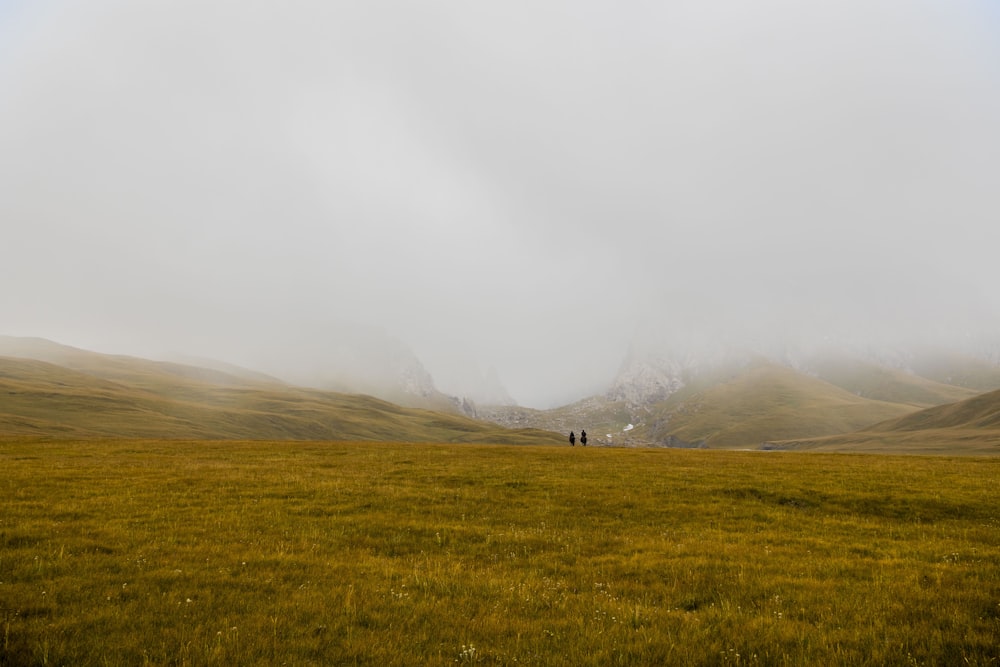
column 746, row 401
column 480, row 387
column 49, row 390
column 659, row 365
column 497, row 185
column 347, row 357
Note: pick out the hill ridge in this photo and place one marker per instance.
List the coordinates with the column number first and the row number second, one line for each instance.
column 970, row 426
column 118, row 396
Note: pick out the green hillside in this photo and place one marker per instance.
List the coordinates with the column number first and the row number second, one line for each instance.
column 761, row 403
column 123, row 397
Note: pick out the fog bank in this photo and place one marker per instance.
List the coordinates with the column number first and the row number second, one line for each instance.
column 517, row 186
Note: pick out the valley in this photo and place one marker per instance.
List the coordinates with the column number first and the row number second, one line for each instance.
column 937, row 403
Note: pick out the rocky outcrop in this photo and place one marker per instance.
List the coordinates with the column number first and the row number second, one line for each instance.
column 414, row 379
column 647, row 380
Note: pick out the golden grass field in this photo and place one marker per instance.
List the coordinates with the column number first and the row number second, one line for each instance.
column 274, row 553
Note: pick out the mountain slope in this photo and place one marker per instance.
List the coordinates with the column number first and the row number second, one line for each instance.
column 158, row 376
column 110, row 396
column 398, row 378
column 958, row 369
column 978, row 412
column 971, row 426
column 353, row 359
column 760, row 403
column 596, row 415
column 878, row 382
column 743, row 399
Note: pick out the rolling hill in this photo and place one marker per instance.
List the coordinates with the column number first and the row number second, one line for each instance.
column 971, row 426
column 735, row 406
column 75, row 393
column 978, row 412
column 882, row 383
column 51, row 390
column 762, row 402
column 749, row 400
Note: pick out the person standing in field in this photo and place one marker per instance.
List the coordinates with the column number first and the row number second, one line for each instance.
column 572, row 439
column 583, row 438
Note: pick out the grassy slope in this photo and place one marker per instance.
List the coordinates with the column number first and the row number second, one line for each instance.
column 159, row 376
column 766, row 402
column 744, row 406
column 971, row 426
column 147, row 399
column 978, row 412
column 887, row 384
column 166, row 377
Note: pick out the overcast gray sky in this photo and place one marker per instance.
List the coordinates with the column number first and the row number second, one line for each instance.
column 521, row 185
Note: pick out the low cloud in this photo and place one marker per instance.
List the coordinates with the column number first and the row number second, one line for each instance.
column 516, row 186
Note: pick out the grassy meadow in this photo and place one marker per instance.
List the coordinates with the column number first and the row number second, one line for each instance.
column 272, row 553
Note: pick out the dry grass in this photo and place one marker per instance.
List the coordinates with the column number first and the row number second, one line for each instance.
column 934, row 442
column 208, row 553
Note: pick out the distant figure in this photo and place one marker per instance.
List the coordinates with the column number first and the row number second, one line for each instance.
column 583, row 438
column 572, row 439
